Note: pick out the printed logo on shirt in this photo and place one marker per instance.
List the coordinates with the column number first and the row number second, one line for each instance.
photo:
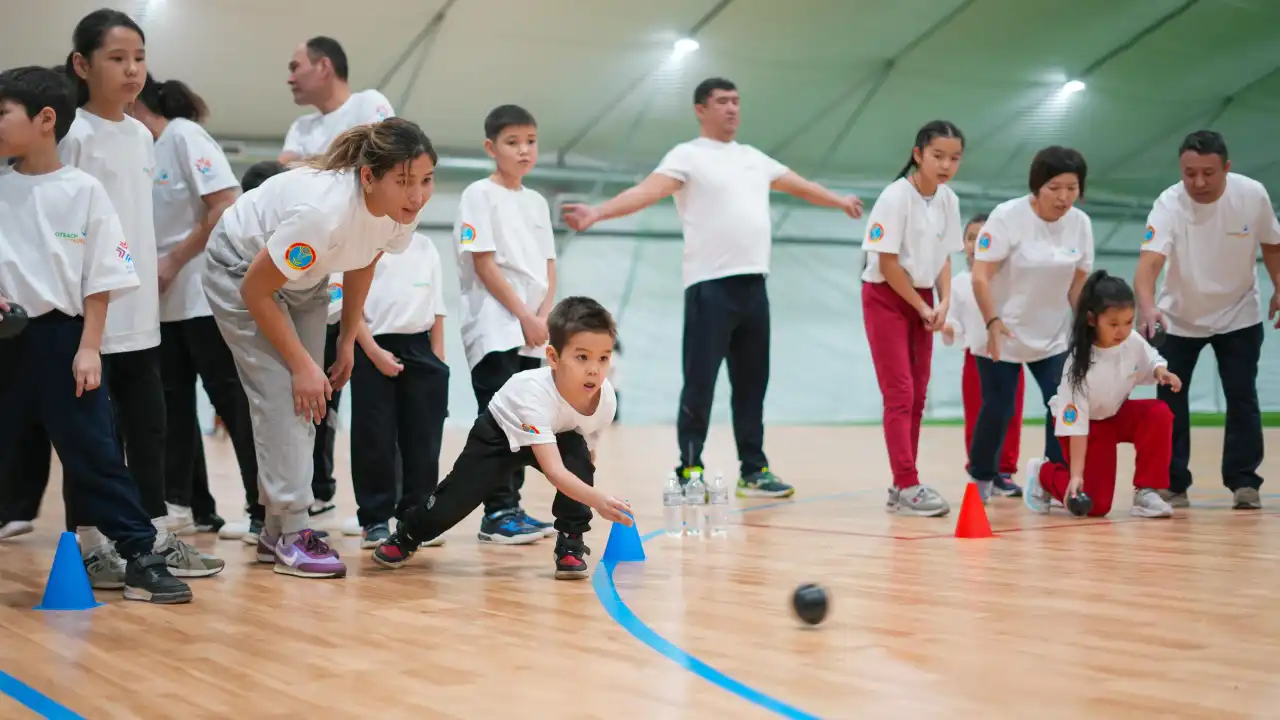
column 530, row 429
column 300, row 256
column 335, row 292
column 122, row 252
column 77, row 238
column 162, row 178
column 467, row 234
column 984, row 241
column 1242, row 233
column 382, row 112
column 876, row 233
column 1069, row 415
column 148, row 171
column 203, row 166
column 1151, row 235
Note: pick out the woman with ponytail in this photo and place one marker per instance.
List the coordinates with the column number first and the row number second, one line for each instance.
column 266, row 277
column 1106, row 360
column 911, row 233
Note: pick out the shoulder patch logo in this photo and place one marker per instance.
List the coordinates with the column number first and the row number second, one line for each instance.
column 467, row 234
column 300, row 256
column 984, row 241
column 1070, row 414
column 876, row 233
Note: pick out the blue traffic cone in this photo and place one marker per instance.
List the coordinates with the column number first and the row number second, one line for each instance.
column 624, row 545
column 68, row 586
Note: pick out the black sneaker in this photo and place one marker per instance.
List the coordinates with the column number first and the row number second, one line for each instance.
column 210, row 523
column 373, row 535
column 147, row 578
column 396, row 550
column 1005, row 486
column 570, row 564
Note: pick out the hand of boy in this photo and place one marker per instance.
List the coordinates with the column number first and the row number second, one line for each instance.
column 87, row 368
column 535, row 331
column 1164, row 377
column 613, row 509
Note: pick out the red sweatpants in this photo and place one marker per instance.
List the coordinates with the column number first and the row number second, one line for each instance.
column 971, row 392
column 1148, row 424
column 902, row 352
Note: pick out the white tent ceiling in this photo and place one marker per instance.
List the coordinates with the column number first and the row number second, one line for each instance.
column 836, row 88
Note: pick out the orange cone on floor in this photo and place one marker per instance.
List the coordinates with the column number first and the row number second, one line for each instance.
column 973, row 521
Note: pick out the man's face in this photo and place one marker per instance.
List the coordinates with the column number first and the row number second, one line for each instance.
column 1204, row 176
column 306, row 78
column 720, row 112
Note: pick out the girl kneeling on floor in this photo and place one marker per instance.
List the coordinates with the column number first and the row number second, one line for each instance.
column 1106, row 359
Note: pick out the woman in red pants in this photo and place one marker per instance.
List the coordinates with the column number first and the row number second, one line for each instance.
column 1106, row 359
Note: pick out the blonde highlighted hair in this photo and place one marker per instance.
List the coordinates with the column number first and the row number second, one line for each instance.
column 381, row 147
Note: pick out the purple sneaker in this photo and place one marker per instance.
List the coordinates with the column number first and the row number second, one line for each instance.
column 308, row 557
column 266, row 548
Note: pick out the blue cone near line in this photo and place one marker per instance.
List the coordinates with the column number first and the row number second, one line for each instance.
column 624, row 545
column 68, row 585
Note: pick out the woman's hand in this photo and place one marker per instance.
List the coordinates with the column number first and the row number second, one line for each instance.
column 940, row 316
column 1164, row 377
column 311, row 393
column 1074, row 486
column 995, row 331
column 927, row 314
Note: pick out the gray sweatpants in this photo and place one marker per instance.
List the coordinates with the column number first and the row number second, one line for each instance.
column 284, row 440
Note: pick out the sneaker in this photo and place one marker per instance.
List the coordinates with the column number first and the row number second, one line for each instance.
column 545, row 527
column 374, row 535
column 569, row 562
column 105, row 567
column 234, row 530
column 1175, row 499
column 186, row 561
column 180, row 520
column 1147, row 503
column 985, row 488
column 320, row 507
column 436, row 541
column 210, row 523
column 1037, row 499
column 1004, row 486
column 351, row 527
column 763, row 484
column 506, row 528
column 396, row 551
column 309, row 557
column 14, row 528
column 921, row 500
column 266, row 551
column 147, row 579
column 1246, row 498
column 891, row 504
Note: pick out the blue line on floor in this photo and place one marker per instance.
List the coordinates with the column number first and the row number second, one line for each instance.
column 607, row 592
column 37, row 702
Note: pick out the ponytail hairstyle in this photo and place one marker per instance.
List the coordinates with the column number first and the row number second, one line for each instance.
column 927, row 134
column 88, row 37
column 1101, row 292
column 172, row 99
column 381, row 147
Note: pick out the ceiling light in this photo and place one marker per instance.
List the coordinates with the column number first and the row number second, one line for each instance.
column 1073, row 86
column 684, row 46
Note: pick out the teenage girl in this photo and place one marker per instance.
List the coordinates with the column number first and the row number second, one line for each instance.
column 193, row 184
column 109, row 65
column 267, row 280
column 911, row 232
column 1033, row 255
column 966, row 321
column 1107, row 358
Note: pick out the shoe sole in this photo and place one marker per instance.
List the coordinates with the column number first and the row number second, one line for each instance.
column 549, row 531
column 192, row 573
column 100, row 585
column 367, row 544
column 388, row 564
column 905, row 510
column 756, row 493
column 17, row 532
column 141, row 595
column 295, row 572
column 524, row 539
column 1149, row 513
column 572, row 574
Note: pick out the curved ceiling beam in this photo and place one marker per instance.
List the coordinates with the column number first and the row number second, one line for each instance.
column 428, row 31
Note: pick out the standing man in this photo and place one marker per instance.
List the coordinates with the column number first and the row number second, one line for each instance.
column 721, row 191
column 1209, row 228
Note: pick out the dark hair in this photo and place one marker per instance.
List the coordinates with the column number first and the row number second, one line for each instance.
column 927, row 134
column 36, row 88
column 1101, row 292
column 88, row 37
column 702, row 93
column 326, row 47
column 1053, row 161
column 979, row 218
column 381, row 147
column 578, row 314
column 505, row 116
column 1204, row 142
column 258, row 173
column 172, row 99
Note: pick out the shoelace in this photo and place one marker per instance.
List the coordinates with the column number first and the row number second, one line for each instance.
column 314, row 545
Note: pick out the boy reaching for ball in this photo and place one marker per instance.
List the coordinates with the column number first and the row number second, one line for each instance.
column 550, row 419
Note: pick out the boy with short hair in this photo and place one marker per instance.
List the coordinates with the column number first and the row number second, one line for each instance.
column 506, row 271
column 63, row 258
column 549, row 418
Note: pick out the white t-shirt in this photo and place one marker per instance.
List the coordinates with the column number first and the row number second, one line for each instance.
column 1030, row 291
column 312, row 134
column 407, row 293
column 514, row 225
column 531, row 411
column 965, row 317
column 121, row 155
column 60, row 242
column 723, row 206
column 189, row 166
column 1115, row 372
column 335, row 298
column 1211, row 285
column 312, row 223
column 922, row 232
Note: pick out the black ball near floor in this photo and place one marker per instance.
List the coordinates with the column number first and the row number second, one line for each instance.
column 810, row 603
column 1080, row 504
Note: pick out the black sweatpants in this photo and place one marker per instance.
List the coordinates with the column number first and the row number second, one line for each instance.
column 323, row 485
column 36, row 381
column 1000, row 381
column 725, row 319
column 487, row 461
column 396, row 428
column 1237, row 353
column 487, row 378
column 190, row 349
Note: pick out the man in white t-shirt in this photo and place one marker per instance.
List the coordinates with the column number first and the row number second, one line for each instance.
column 1209, row 228
column 721, row 190
column 318, row 77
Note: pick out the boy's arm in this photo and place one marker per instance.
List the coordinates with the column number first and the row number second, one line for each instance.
column 87, row 365
column 490, row 275
column 549, row 301
column 437, row 337
column 610, row 508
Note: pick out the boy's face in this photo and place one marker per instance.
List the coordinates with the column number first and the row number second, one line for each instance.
column 18, row 132
column 583, row 366
column 515, row 150
column 971, row 239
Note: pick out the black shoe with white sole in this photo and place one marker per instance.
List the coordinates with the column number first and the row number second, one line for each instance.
column 147, row 578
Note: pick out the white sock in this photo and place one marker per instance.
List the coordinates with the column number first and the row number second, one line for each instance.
column 90, row 539
column 161, row 525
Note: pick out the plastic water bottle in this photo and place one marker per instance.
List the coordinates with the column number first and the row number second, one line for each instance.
column 717, row 506
column 673, row 506
column 695, row 504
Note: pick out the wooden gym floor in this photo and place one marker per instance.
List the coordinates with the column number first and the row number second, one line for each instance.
column 1055, row 618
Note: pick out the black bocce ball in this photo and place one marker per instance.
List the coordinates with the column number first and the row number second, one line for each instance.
column 810, row 603
column 1080, row 504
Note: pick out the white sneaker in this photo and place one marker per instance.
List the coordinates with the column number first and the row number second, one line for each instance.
column 234, row 530
column 1036, row 498
column 1147, row 503
column 351, row 527
column 181, row 521
column 923, row 501
column 14, row 528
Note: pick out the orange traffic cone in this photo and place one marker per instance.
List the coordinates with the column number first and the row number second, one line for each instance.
column 973, row 521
